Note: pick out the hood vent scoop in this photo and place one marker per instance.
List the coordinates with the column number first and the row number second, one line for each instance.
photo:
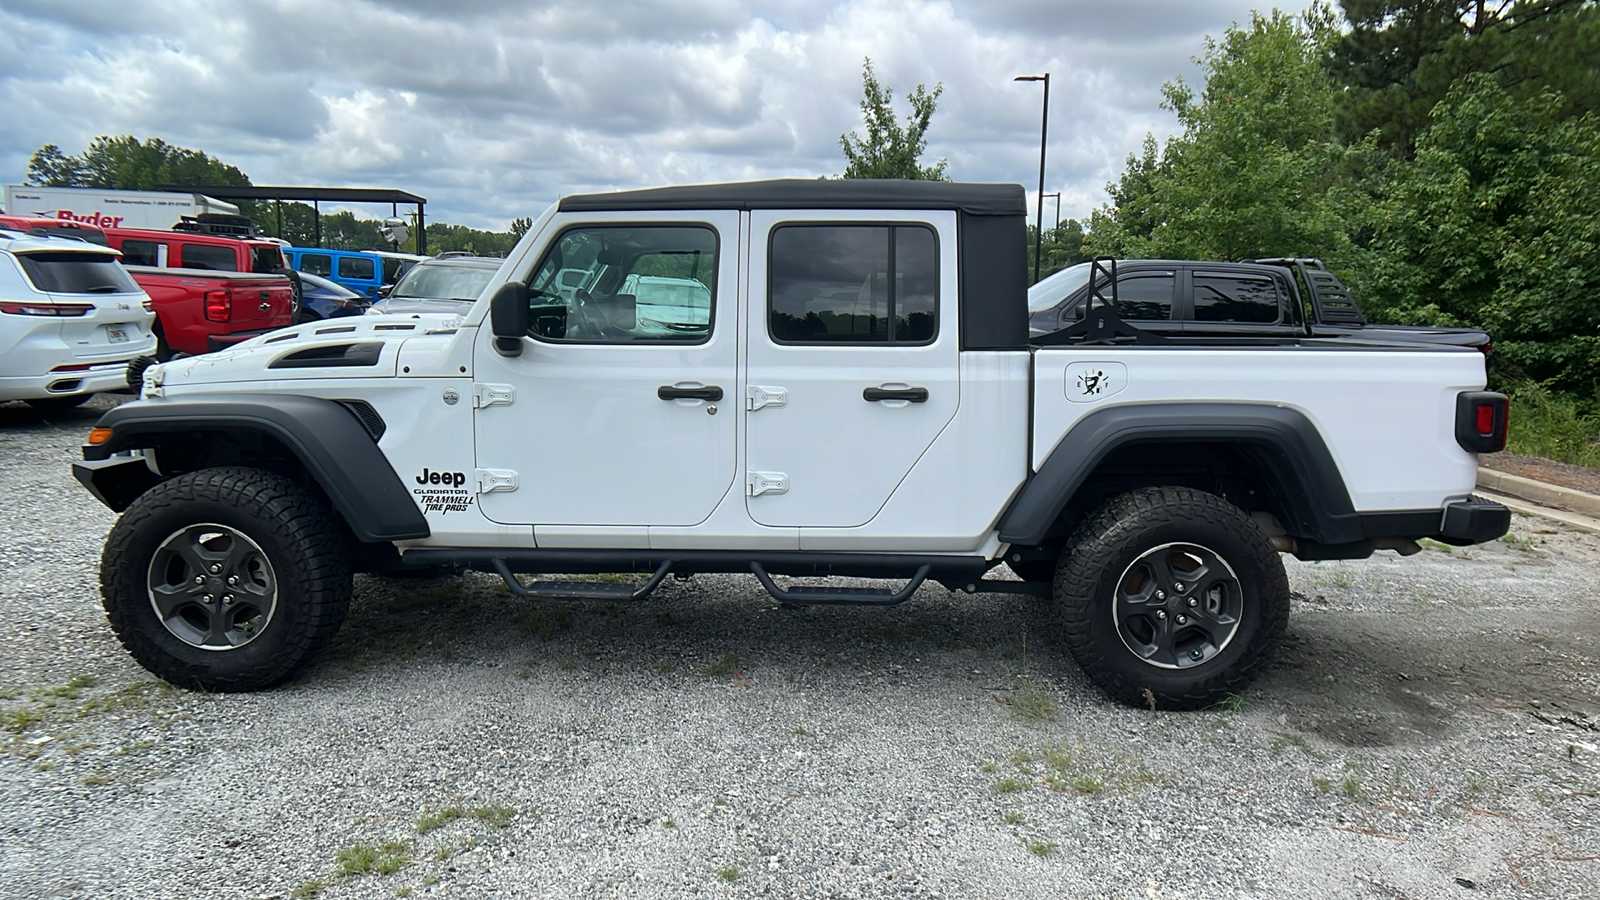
column 331, row 356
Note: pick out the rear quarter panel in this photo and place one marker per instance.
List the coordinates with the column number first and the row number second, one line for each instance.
column 1387, row 415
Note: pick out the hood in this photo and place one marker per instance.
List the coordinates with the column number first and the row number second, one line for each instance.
column 415, row 305
column 354, row 347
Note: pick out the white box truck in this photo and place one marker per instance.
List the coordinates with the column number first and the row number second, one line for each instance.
column 111, row 209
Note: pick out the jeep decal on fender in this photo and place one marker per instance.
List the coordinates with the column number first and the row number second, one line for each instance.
column 442, row 492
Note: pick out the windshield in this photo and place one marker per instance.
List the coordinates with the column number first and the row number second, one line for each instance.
column 1050, row 291
column 443, row 283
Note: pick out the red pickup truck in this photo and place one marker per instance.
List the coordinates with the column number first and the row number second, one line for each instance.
column 209, row 291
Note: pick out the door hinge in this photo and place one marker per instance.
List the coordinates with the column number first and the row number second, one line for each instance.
column 756, row 396
column 493, row 395
column 758, row 483
column 491, row 480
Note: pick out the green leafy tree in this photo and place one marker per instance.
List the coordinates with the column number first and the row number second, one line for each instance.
column 520, row 226
column 889, row 149
column 1254, row 170
column 126, row 163
column 1493, row 225
column 1399, row 58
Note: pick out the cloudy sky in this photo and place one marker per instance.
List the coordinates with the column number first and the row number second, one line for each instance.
column 492, row 108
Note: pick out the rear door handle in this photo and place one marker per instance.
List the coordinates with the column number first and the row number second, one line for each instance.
column 668, row 392
column 915, row 395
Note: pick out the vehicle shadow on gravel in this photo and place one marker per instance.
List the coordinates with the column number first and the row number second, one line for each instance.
column 715, row 626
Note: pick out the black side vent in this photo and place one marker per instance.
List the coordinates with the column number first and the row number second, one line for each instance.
column 1335, row 305
column 331, row 356
column 369, row 418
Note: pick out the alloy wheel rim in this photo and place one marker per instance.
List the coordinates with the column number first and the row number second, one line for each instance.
column 1177, row 605
column 212, row 587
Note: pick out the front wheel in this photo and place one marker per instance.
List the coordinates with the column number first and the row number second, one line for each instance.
column 226, row 579
column 1171, row 598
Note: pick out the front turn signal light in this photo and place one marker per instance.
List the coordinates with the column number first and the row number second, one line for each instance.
column 99, row 435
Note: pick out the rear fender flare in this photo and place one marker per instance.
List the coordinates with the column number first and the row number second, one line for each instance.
column 1295, row 460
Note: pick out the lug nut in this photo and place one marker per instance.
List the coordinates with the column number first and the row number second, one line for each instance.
column 1192, row 601
column 227, row 599
column 199, row 579
column 1161, row 595
column 1160, row 613
column 1182, row 620
column 207, row 599
column 215, row 568
column 234, row 579
column 1178, row 588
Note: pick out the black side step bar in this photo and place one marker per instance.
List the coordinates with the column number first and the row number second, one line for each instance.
column 580, row 590
column 840, row 596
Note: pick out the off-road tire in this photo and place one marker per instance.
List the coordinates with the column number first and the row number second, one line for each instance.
column 297, row 535
column 1125, row 531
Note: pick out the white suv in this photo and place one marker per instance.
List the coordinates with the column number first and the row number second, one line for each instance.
column 71, row 319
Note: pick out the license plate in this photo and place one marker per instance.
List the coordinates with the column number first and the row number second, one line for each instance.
column 116, row 335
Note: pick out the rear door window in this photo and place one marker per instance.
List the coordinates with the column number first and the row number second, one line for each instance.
column 317, row 264
column 142, row 253
column 357, row 268
column 853, row 284
column 265, row 260
column 1251, row 299
column 205, row 256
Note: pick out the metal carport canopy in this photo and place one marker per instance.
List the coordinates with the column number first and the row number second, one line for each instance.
column 314, row 194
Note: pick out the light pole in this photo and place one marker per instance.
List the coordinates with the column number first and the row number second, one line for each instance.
column 1044, row 126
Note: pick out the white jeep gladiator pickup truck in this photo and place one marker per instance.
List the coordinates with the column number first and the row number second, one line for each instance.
column 783, row 378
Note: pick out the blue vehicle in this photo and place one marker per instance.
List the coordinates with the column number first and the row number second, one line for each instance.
column 322, row 298
column 360, row 272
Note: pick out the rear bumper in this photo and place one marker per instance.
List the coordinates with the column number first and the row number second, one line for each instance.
column 1473, row 521
column 215, row 342
column 110, row 376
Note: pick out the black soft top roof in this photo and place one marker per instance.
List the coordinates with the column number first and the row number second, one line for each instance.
column 814, row 193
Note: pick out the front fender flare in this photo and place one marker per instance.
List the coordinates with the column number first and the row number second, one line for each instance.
column 324, row 436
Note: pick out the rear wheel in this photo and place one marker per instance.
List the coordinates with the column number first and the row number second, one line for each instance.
column 1171, row 598
column 226, row 579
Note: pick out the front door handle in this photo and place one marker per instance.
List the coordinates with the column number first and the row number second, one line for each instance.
column 668, row 392
column 915, row 395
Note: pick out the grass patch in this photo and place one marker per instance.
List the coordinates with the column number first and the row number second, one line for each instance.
column 544, row 622
column 386, row 858
column 1030, row 701
column 306, row 890
column 1012, row 817
column 1041, row 848
column 437, row 820
column 1010, row 785
column 1554, row 426
column 1351, row 786
column 19, row 719
column 494, row 816
column 1323, row 785
column 724, row 666
column 729, row 874
column 1231, row 703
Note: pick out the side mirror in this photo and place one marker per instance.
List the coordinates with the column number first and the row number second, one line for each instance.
column 508, row 317
column 384, row 290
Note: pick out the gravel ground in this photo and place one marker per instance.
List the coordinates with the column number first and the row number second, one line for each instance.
column 1429, row 732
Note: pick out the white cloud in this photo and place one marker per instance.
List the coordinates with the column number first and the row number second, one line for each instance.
column 492, row 108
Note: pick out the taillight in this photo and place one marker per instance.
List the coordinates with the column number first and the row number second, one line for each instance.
column 149, row 305
column 46, row 309
column 1481, row 420
column 219, row 306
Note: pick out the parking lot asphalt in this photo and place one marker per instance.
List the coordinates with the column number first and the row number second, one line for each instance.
column 1431, row 729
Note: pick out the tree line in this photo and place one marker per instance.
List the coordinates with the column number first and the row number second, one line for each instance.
column 124, row 162
column 1441, row 156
